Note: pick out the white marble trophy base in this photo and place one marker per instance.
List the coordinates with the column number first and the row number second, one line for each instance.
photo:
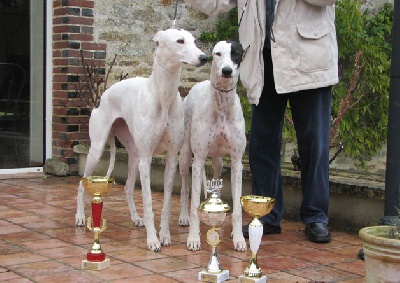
column 92, row 265
column 245, row 279
column 205, row 276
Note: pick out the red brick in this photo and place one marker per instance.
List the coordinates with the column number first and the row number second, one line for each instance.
column 81, row 3
column 59, row 127
column 58, row 94
column 60, row 111
column 66, row 29
column 60, row 10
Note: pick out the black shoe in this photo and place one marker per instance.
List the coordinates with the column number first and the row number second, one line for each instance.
column 318, row 232
column 267, row 229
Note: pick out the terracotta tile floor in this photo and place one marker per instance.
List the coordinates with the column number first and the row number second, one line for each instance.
column 40, row 243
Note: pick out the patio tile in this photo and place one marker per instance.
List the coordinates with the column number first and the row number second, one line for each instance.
column 19, row 258
column 322, row 257
column 166, row 264
column 72, row 276
column 33, row 269
column 278, row 277
column 323, row 274
column 40, row 242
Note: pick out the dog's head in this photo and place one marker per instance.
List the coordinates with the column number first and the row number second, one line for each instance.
column 227, row 56
column 178, row 46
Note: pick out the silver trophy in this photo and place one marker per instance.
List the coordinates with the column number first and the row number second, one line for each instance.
column 213, row 212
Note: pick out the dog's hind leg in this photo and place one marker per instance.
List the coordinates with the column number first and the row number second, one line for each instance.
column 98, row 131
column 113, row 151
column 123, row 134
column 217, row 166
column 169, row 173
column 239, row 242
column 185, row 157
column 130, row 186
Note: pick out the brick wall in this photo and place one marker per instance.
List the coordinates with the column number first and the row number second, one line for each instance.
column 72, row 31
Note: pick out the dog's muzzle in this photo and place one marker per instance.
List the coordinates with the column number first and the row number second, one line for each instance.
column 203, row 59
column 227, row 72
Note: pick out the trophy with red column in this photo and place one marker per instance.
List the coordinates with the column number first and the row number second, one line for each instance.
column 98, row 186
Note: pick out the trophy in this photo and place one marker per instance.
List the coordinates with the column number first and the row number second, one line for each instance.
column 213, row 212
column 96, row 185
column 255, row 206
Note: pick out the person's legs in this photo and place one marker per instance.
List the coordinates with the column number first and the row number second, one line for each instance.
column 311, row 111
column 265, row 144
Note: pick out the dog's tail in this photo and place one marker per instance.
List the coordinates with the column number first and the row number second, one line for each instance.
column 113, row 151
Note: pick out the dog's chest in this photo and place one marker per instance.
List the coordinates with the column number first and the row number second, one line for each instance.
column 221, row 139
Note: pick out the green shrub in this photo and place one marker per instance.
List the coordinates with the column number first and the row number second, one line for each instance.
column 360, row 99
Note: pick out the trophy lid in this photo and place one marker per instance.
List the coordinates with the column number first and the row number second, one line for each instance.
column 97, row 184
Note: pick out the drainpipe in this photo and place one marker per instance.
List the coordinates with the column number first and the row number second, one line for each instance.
column 392, row 178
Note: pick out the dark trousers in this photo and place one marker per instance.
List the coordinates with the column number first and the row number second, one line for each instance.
column 311, row 113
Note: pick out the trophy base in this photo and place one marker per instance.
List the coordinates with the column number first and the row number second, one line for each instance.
column 205, row 276
column 246, row 279
column 95, row 265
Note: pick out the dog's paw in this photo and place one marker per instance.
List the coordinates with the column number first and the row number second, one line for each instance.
column 138, row 222
column 80, row 220
column 154, row 245
column 193, row 243
column 165, row 240
column 184, row 220
column 239, row 243
column 240, row 246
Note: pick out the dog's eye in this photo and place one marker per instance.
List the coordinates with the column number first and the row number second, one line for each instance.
column 218, row 53
column 180, row 41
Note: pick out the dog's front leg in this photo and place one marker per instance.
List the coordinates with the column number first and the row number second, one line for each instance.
column 148, row 216
column 193, row 241
column 239, row 243
column 169, row 174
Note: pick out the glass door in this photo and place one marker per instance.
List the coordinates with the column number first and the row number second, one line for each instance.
column 22, row 96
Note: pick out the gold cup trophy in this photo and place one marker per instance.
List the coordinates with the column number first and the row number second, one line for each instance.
column 98, row 186
column 213, row 212
column 256, row 206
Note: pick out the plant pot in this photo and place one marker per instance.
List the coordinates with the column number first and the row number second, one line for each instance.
column 382, row 254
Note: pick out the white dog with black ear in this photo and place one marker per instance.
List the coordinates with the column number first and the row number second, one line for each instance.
column 147, row 116
column 214, row 127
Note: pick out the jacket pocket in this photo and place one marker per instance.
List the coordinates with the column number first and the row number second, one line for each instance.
column 315, row 45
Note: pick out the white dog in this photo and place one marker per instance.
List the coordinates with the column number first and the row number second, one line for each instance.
column 214, row 127
column 147, row 116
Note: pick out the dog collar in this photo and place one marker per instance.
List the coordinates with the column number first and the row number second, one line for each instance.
column 222, row 90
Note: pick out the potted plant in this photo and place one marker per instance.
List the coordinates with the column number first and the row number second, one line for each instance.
column 381, row 246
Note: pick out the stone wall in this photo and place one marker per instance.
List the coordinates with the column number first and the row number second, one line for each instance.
column 127, row 27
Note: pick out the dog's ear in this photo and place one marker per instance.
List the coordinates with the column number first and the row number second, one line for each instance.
column 157, row 37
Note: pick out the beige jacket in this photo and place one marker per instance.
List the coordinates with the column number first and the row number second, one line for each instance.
column 304, row 53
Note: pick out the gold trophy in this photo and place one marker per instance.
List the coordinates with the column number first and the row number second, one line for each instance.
column 96, row 185
column 256, row 206
column 213, row 212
